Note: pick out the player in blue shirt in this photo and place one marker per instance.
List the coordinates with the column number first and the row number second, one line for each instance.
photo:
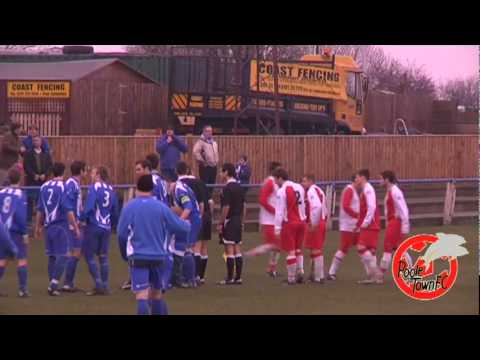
column 54, row 213
column 144, row 167
column 143, row 239
column 13, row 218
column 100, row 215
column 185, row 203
column 74, row 193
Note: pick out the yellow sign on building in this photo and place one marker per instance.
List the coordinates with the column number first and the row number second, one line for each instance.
column 38, row 89
column 298, row 79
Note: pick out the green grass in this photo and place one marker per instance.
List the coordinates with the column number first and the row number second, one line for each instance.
column 259, row 294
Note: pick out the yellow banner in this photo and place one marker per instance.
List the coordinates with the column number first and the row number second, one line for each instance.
column 38, row 89
column 299, row 80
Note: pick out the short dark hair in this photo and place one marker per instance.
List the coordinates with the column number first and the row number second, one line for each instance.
column 58, row 169
column 365, row 173
column 229, row 168
column 353, row 177
column 243, row 157
column 390, row 176
column 103, row 173
column 310, row 177
column 14, row 175
column 145, row 183
column 182, row 168
column 280, row 173
column 144, row 164
column 273, row 165
column 153, row 160
column 31, row 127
column 169, row 127
column 37, row 136
column 77, row 167
column 207, row 126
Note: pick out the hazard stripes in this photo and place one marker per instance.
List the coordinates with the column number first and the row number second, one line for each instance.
column 232, row 103
column 179, row 101
column 190, row 102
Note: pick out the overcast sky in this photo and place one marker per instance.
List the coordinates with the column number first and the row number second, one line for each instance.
column 443, row 62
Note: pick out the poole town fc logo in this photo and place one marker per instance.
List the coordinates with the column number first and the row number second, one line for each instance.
column 434, row 267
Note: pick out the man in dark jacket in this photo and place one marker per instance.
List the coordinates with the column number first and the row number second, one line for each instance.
column 170, row 148
column 10, row 148
column 37, row 166
column 243, row 172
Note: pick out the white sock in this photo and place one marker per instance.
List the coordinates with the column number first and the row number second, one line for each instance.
column 318, row 268
column 385, row 262
column 370, row 263
column 291, row 268
column 336, row 262
column 300, row 269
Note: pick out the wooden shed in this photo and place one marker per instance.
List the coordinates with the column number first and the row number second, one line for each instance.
column 85, row 97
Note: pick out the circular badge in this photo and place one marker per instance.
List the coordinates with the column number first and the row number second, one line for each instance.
column 419, row 280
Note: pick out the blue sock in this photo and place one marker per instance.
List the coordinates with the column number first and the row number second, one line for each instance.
column 159, row 307
column 60, row 265
column 142, row 307
column 189, row 267
column 51, row 267
column 22, row 277
column 2, row 271
column 104, row 270
column 93, row 268
column 71, row 270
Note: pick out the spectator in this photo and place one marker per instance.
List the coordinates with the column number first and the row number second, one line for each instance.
column 28, row 141
column 37, row 164
column 9, row 150
column 243, row 172
column 205, row 152
column 169, row 147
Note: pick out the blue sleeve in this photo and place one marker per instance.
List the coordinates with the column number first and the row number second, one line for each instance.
column 184, row 200
column 89, row 204
column 123, row 230
column 174, row 224
column 162, row 145
column 66, row 203
column 45, row 146
column 115, row 210
column 25, row 142
column 21, row 214
column 40, row 204
column 182, row 146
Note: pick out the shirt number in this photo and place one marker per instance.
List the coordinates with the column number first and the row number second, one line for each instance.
column 7, row 202
column 299, row 199
column 49, row 201
column 106, row 201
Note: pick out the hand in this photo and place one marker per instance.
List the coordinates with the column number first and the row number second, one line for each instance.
column 220, row 228
column 77, row 232
column 169, row 139
column 42, row 177
column 37, row 177
column 278, row 231
column 22, row 149
column 25, row 239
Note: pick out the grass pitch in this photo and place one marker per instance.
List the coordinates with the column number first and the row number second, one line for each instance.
column 258, row 295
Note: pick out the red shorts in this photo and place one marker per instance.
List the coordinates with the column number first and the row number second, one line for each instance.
column 347, row 240
column 393, row 235
column 315, row 239
column 368, row 238
column 268, row 232
column 292, row 236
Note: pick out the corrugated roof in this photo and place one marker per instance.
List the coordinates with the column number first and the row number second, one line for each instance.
column 63, row 70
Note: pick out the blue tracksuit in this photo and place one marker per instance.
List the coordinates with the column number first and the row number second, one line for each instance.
column 170, row 152
column 13, row 214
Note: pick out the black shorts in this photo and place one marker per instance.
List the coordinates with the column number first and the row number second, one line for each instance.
column 232, row 231
column 206, row 230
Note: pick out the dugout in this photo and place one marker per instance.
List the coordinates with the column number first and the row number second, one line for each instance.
column 85, row 97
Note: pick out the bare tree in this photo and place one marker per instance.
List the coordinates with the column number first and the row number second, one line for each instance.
column 463, row 91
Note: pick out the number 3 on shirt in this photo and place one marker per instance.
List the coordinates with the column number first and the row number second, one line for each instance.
column 106, row 201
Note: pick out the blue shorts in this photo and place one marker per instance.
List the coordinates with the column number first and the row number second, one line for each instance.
column 146, row 274
column 21, row 246
column 57, row 240
column 184, row 241
column 96, row 241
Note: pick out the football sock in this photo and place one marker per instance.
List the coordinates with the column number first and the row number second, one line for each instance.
column 299, row 256
column 51, row 267
column 198, row 264
column 318, row 267
column 159, row 307
column 60, row 264
column 71, row 270
column 230, row 267
column 291, row 268
column 22, row 274
column 189, row 267
column 238, row 266
column 336, row 262
column 177, row 270
column 385, row 262
column 93, row 269
column 274, row 257
column 203, row 266
column 142, row 307
column 104, row 270
column 2, row 271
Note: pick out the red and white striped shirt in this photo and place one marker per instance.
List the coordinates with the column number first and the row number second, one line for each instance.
column 316, row 208
column 290, row 204
column 369, row 214
column 349, row 209
column 396, row 208
column 268, row 201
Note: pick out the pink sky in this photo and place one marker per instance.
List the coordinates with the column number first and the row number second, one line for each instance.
column 443, row 62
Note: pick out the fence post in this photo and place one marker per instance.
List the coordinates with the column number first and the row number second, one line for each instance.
column 330, row 199
column 449, row 204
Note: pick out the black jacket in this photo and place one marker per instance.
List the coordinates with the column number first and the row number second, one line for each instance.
column 30, row 166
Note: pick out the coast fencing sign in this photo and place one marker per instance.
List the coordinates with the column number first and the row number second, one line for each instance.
column 299, row 79
column 38, row 89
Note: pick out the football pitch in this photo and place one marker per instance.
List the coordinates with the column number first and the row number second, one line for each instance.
column 258, row 295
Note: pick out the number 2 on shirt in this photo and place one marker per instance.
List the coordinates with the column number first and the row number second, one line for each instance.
column 299, row 201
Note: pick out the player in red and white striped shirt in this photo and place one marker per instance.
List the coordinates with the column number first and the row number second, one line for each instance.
column 397, row 220
column 290, row 223
column 349, row 214
column 316, row 212
column 369, row 225
column 268, row 203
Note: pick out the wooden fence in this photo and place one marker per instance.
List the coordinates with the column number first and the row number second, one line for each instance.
column 328, row 157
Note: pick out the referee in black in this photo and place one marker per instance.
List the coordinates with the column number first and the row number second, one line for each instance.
column 231, row 224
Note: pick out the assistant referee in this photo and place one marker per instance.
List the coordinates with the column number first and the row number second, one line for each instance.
column 231, row 224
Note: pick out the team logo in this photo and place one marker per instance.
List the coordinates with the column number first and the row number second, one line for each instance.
column 432, row 267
